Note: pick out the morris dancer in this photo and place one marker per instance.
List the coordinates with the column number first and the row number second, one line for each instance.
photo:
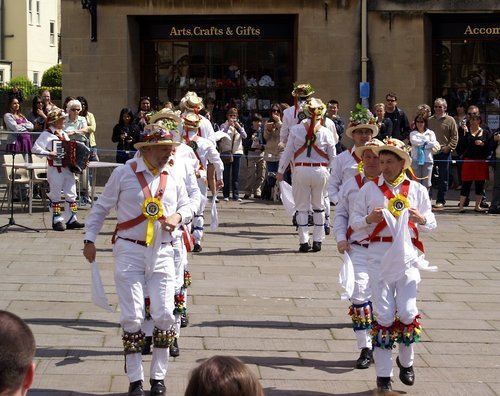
column 143, row 251
column 356, row 244
column 362, row 128
column 59, row 177
column 312, row 148
column 392, row 209
column 206, row 152
column 181, row 165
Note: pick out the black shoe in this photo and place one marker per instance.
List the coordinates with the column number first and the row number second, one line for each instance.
column 327, row 230
column 184, row 321
column 75, row 225
column 484, row 204
column 146, row 348
column 135, row 389
column 406, row 374
column 174, row 349
column 365, row 359
column 495, row 210
column 384, row 384
column 316, row 246
column 59, row 226
column 157, row 387
column 197, row 248
column 304, row 247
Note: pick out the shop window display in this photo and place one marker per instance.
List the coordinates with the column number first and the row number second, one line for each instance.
column 247, row 74
column 468, row 72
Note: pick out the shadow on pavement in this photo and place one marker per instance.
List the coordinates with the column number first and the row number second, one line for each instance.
column 53, row 392
column 78, row 324
column 288, row 392
column 248, row 252
column 274, row 325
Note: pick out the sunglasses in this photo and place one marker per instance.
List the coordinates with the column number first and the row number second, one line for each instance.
column 390, row 100
column 471, row 114
column 76, row 109
column 275, row 110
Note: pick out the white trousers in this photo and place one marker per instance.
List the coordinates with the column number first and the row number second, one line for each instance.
column 399, row 298
column 309, row 190
column 361, row 293
column 198, row 219
column 138, row 267
column 62, row 181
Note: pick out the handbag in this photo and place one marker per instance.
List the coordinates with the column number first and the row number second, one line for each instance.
column 226, row 157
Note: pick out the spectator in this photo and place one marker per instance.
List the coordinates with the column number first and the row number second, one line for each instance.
column 91, row 124
column 126, row 134
column 15, row 93
column 495, row 201
column 332, row 110
column 253, row 148
column 223, row 376
column 15, row 121
column 231, row 151
column 477, row 144
column 384, row 124
column 17, row 350
column 271, row 150
column 143, row 110
column 423, row 141
column 74, row 124
column 456, row 155
column 424, row 110
column 37, row 115
column 445, row 128
column 47, row 102
column 400, row 125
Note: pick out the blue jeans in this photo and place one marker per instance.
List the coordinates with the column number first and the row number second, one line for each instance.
column 442, row 162
column 231, row 177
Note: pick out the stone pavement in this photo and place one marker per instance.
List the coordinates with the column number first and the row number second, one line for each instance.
column 255, row 297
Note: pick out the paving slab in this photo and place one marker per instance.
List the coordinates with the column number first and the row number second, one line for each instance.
column 254, row 296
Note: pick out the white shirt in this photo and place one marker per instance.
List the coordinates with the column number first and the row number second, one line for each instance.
column 124, row 193
column 345, row 208
column 44, row 145
column 343, row 168
column 207, row 151
column 297, row 138
column 290, row 118
column 371, row 197
column 418, row 139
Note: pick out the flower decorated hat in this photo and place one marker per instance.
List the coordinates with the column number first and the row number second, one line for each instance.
column 315, row 107
column 155, row 135
column 164, row 114
column 397, row 147
column 302, row 90
column 191, row 101
column 55, row 115
column 192, row 121
column 369, row 145
column 361, row 118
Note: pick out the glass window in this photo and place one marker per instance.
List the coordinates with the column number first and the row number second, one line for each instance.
column 38, row 19
column 468, row 71
column 52, row 33
column 35, row 78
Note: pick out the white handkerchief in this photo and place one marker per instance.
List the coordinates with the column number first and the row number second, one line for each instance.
column 346, row 277
column 214, row 221
column 99, row 297
column 287, row 198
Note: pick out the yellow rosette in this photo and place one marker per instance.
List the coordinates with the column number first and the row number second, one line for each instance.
column 152, row 209
column 397, row 204
column 360, row 167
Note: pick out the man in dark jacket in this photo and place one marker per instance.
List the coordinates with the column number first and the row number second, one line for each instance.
column 400, row 125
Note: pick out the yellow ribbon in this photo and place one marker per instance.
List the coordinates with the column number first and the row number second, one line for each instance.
column 360, row 167
column 152, row 209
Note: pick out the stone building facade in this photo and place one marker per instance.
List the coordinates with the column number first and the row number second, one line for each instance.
column 249, row 52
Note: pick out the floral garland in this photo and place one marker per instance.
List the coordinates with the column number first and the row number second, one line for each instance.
column 302, row 89
column 383, row 337
column 397, row 204
column 180, row 303
column 157, row 134
column 169, row 124
column 410, row 333
column 361, row 316
column 361, row 167
column 187, row 278
column 361, row 115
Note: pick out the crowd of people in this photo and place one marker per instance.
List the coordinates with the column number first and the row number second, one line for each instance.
column 376, row 170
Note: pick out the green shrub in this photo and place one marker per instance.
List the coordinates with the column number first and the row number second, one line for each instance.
column 52, row 76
